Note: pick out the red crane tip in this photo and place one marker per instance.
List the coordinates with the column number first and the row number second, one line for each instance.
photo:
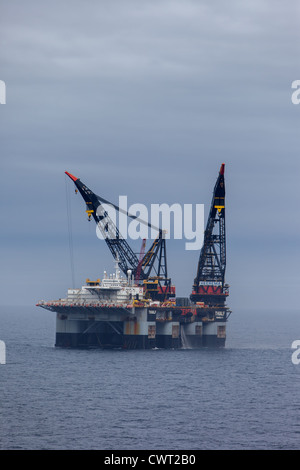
column 71, row 176
column 222, row 169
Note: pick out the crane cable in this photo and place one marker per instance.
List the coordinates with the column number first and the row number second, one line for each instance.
column 70, row 235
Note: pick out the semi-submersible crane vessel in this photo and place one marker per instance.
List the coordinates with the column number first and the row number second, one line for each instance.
column 140, row 310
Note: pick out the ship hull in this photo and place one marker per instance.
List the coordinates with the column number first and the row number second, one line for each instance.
column 93, row 341
column 135, row 329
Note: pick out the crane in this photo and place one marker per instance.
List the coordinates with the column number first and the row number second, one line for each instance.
column 157, row 286
column 209, row 284
column 139, row 268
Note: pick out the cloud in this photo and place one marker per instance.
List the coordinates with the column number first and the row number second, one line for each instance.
column 148, row 99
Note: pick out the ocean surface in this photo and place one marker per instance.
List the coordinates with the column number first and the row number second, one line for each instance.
column 245, row 396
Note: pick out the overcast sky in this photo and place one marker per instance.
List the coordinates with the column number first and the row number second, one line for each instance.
column 147, row 99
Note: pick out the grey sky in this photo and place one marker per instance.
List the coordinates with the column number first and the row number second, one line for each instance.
column 147, row 99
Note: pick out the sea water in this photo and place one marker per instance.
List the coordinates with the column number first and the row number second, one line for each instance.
column 245, row 396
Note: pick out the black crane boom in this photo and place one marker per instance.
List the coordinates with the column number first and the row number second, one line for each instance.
column 209, row 283
column 119, row 247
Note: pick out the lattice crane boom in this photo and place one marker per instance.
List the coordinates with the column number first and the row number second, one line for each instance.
column 119, row 247
column 209, row 283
